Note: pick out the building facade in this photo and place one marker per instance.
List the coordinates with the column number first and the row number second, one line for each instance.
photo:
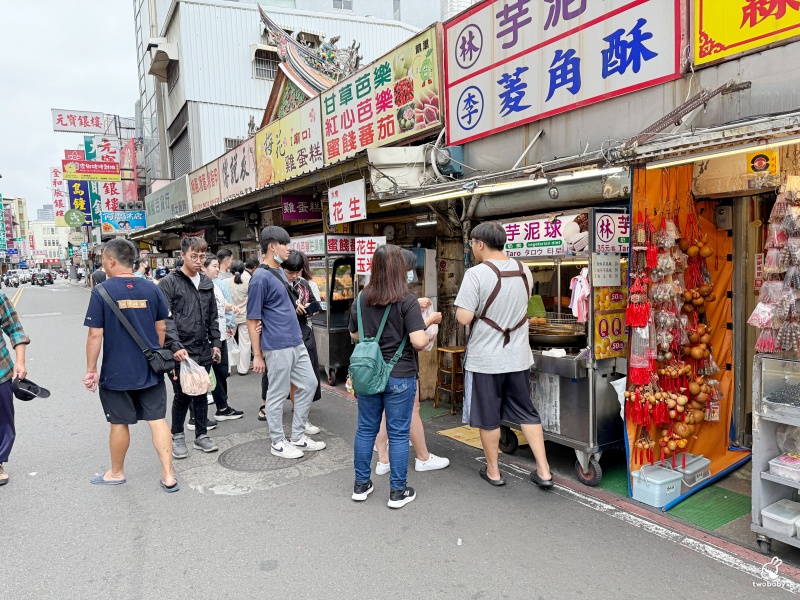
column 49, row 241
column 46, row 213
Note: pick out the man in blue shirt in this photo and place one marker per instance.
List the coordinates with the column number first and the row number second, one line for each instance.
column 129, row 389
column 279, row 347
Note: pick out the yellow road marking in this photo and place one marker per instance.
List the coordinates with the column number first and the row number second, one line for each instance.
column 17, row 296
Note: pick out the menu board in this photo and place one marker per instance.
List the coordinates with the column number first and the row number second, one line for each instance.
column 610, row 334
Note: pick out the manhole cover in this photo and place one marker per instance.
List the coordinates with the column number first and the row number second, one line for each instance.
column 256, row 456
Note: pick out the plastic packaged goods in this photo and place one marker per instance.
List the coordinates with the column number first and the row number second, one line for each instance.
column 194, row 378
column 788, row 336
column 771, row 292
column 762, row 316
column 776, row 236
column 788, row 438
column 786, row 466
column 781, row 517
column 779, row 209
column 772, row 262
column 791, row 280
column 766, row 342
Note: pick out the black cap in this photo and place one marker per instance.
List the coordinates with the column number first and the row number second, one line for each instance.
column 27, row 390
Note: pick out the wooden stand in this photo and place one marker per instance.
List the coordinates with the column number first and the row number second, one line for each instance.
column 455, row 372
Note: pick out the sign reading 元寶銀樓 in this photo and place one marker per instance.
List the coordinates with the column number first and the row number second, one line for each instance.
column 511, row 62
column 77, row 121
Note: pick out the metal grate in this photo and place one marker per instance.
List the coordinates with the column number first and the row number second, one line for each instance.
column 231, row 143
column 173, row 74
column 265, row 65
column 181, row 156
column 256, row 456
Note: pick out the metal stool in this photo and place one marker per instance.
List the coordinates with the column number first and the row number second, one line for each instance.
column 455, row 387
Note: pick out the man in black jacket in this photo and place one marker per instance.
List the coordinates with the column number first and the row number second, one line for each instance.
column 192, row 332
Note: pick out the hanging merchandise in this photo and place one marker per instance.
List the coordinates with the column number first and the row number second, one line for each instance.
column 640, row 367
column 776, row 236
column 581, row 291
column 637, row 313
column 779, row 209
column 766, row 343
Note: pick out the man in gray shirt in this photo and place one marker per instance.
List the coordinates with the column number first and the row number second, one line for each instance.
column 493, row 299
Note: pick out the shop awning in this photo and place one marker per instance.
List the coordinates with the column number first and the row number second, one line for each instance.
column 161, row 54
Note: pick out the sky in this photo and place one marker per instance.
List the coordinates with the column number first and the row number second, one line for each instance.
column 67, row 54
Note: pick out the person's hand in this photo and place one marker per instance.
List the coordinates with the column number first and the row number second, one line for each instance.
column 424, row 303
column 235, row 309
column 259, row 327
column 20, row 370
column 91, row 380
column 435, row 318
column 259, row 366
column 181, row 355
column 230, row 333
column 216, row 353
column 300, row 310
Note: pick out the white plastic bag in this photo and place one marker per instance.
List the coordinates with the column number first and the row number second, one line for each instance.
column 431, row 331
column 194, row 379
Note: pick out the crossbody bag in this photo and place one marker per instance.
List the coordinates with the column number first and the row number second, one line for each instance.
column 161, row 360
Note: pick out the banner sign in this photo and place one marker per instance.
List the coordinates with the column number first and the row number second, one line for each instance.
column 365, row 250
column 290, row 146
column 612, row 233
column 80, row 198
column 394, row 98
column 204, row 186
column 9, row 220
column 237, row 170
column 75, row 154
column 347, row 202
column 123, row 221
column 3, row 236
column 545, row 237
column 301, row 208
column 77, row 121
column 110, row 195
column 315, row 245
column 90, row 170
column 172, row 200
column 127, row 165
column 59, row 198
column 88, row 146
column 510, row 63
column 725, row 28
column 106, row 149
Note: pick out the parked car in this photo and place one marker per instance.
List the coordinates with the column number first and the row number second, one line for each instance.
column 38, row 278
column 24, row 275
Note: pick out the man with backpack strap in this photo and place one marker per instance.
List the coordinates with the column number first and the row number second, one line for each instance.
column 493, row 300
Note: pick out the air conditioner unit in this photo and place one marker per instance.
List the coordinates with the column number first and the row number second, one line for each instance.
column 138, row 205
column 121, row 205
column 448, row 160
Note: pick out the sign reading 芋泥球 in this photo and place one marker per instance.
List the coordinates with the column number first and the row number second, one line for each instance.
column 612, row 232
column 511, row 62
column 558, row 236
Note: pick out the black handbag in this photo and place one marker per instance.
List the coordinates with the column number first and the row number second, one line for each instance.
column 161, row 360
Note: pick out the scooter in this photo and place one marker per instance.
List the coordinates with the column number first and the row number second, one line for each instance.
column 15, row 281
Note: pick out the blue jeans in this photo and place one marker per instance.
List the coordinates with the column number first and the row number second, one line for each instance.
column 397, row 401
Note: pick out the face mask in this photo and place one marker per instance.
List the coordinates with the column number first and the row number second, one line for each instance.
column 410, row 276
column 278, row 259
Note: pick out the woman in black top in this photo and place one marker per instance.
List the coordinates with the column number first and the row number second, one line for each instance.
column 388, row 286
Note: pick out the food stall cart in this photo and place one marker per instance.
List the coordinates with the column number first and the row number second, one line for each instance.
column 576, row 358
column 332, row 263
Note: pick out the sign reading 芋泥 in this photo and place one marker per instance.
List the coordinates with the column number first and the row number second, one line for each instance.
column 559, row 236
column 347, row 202
column 511, row 62
column 301, row 208
column 77, row 121
column 726, row 28
column 612, row 232
column 172, row 200
column 237, row 170
column 90, row 170
column 394, row 98
column 290, row 146
column 365, row 250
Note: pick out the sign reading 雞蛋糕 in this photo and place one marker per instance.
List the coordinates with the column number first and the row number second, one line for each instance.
column 510, row 62
column 301, row 208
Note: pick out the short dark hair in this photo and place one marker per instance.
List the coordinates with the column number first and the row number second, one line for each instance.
column 294, row 262
column 193, row 242
column 251, row 263
column 178, row 263
column 123, row 251
column 410, row 258
column 492, row 234
column 388, row 283
column 210, row 257
column 223, row 254
column 273, row 234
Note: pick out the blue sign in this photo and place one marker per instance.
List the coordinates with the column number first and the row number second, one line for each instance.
column 122, row 221
column 80, row 198
column 12, row 251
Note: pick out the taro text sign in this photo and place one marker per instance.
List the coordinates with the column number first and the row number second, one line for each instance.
column 612, row 232
column 541, row 237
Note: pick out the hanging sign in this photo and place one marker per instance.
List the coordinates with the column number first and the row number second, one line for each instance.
column 301, row 208
column 315, row 245
column 80, row 198
column 204, row 186
column 725, row 28
column 545, row 237
column 75, row 154
column 77, row 121
column 172, row 200
column 59, row 197
column 508, row 63
column 365, row 250
column 612, row 232
column 123, row 221
column 90, row 170
column 237, row 170
column 759, row 271
column 347, row 202
column 605, row 270
column 763, row 162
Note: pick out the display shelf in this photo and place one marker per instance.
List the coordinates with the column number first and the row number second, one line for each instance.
column 773, row 412
column 782, row 480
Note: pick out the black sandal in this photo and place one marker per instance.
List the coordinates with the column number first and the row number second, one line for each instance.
column 262, row 416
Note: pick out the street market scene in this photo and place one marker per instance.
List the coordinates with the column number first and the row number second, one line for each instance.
column 391, row 287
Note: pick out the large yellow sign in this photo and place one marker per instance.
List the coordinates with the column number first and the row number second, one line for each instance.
column 724, row 28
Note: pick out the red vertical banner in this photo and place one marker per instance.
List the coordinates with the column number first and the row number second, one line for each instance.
column 128, row 168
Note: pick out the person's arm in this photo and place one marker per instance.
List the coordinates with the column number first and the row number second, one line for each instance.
column 94, row 342
column 414, row 324
column 214, row 334
column 255, row 302
column 12, row 327
column 161, row 332
column 259, row 366
column 468, row 298
column 172, row 340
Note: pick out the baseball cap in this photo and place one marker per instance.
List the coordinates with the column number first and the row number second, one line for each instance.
column 25, row 389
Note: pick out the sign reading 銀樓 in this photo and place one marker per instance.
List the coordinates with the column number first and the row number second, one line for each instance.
column 290, row 146
column 395, row 97
column 510, row 62
column 204, row 186
column 172, row 200
column 558, row 236
column 237, row 170
column 725, row 28
column 347, row 202
column 59, row 197
column 612, row 232
column 77, row 121
column 90, row 170
column 317, row 244
column 365, row 250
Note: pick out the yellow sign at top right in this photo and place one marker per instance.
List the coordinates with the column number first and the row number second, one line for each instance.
column 725, row 28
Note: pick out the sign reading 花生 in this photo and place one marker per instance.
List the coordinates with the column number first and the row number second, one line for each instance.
column 347, row 202
column 365, row 250
column 395, row 97
column 725, row 28
column 511, row 62
column 290, row 146
column 77, row 121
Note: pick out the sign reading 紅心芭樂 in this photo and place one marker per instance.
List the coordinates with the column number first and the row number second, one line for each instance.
column 511, row 62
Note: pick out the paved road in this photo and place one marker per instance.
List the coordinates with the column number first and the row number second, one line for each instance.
column 295, row 531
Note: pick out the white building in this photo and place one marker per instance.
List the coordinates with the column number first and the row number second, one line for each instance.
column 205, row 70
column 46, row 213
column 49, row 241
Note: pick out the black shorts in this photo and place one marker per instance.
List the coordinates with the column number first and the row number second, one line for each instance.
column 501, row 397
column 126, row 408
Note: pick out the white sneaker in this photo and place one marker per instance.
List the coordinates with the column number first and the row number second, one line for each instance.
column 381, row 468
column 311, row 429
column 306, row 444
column 432, row 464
column 285, row 449
column 210, row 399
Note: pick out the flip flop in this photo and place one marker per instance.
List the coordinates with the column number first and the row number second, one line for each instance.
column 171, row 488
column 98, row 480
column 494, row 482
column 262, row 415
